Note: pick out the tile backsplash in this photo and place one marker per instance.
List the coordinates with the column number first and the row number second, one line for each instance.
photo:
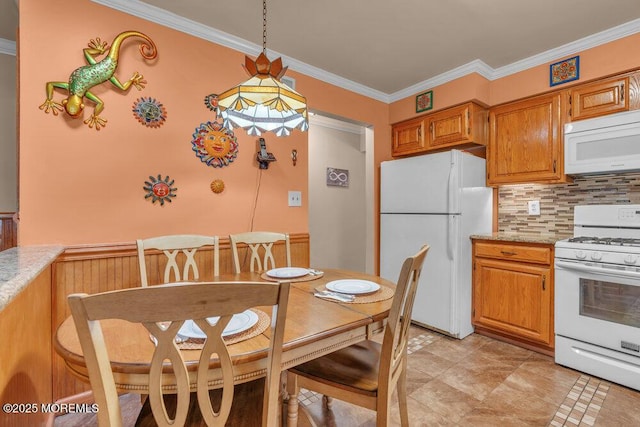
column 557, row 202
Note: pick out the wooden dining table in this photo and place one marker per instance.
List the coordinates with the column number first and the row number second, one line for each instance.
column 313, row 327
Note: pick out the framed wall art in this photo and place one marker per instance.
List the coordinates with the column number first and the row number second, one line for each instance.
column 564, row 71
column 337, row 177
column 424, row 101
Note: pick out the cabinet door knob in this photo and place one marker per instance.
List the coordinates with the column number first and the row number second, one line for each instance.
column 544, row 280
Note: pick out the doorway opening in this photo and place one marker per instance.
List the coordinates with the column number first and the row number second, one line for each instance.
column 341, row 199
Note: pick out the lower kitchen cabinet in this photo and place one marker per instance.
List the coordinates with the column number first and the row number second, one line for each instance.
column 513, row 293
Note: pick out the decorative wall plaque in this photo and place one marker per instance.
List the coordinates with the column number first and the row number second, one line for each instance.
column 214, row 144
column 159, row 189
column 338, row 177
column 149, row 112
column 424, row 101
column 564, row 71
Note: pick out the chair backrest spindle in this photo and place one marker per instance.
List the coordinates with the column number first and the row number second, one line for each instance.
column 178, row 249
column 260, row 244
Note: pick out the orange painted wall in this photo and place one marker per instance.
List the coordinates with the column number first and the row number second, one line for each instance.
column 82, row 186
column 463, row 89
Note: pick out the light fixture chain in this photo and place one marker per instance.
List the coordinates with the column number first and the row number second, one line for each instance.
column 264, row 26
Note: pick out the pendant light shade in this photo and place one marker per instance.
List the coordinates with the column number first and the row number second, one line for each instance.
column 263, row 103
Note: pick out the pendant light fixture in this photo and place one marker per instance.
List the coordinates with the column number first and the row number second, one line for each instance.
column 263, row 103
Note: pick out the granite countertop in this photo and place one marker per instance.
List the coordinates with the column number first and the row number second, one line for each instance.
column 550, row 239
column 19, row 266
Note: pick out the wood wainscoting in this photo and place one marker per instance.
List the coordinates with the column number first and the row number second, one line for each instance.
column 8, row 231
column 94, row 269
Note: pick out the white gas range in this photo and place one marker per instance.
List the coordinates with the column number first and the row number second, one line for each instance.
column 597, row 294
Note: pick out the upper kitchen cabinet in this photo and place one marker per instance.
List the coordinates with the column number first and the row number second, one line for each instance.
column 409, row 137
column 599, row 98
column 457, row 126
column 525, row 141
column 461, row 126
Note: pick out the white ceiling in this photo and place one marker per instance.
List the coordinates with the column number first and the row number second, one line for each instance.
column 390, row 49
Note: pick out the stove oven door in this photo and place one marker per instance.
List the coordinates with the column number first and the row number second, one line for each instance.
column 597, row 321
column 598, row 305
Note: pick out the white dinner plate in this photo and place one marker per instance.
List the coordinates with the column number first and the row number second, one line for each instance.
column 352, row 286
column 287, row 272
column 239, row 323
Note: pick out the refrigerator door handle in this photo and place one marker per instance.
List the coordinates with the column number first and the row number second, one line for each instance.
column 451, row 234
column 452, row 185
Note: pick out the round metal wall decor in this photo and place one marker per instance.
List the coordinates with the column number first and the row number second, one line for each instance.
column 211, row 102
column 217, row 186
column 214, row 144
column 159, row 189
column 149, row 112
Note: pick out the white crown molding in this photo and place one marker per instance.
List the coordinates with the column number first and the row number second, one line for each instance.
column 489, row 73
column 475, row 66
column 556, row 54
column 179, row 23
column 7, row 47
column 328, row 122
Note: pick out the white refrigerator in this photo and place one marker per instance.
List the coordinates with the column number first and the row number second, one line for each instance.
column 440, row 200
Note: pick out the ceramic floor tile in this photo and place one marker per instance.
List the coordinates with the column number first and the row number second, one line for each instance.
column 445, row 400
column 509, row 401
column 428, row 363
column 539, row 385
column 478, row 383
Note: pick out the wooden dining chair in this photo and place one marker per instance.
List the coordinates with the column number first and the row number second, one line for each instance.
column 173, row 304
column 366, row 373
column 180, row 251
column 259, row 242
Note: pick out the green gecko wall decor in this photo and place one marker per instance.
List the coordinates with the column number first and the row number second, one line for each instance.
column 86, row 77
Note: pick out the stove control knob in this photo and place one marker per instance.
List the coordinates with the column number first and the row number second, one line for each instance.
column 630, row 259
column 581, row 255
column 596, row 256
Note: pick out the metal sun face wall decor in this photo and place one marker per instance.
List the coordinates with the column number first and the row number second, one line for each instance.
column 159, row 189
column 149, row 112
column 214, row 145
column 84, row 78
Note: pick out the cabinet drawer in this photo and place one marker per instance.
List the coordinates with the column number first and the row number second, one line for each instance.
column 534, row 254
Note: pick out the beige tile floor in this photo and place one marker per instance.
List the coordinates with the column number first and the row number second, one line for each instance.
column 478, row 381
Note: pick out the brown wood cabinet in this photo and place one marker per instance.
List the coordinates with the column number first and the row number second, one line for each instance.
column 453, row 127
column 460, row 126
column 525, row 141
column 513, row 293
column 25, row 354
column 599, row 98
column 409, row 137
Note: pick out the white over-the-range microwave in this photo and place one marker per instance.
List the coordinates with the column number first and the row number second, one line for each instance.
column 602, row 145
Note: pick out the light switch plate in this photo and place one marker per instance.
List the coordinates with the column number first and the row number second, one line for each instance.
column 295, row 198
column 534, row 207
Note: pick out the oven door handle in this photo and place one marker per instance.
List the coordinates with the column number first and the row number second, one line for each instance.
column 597, row 270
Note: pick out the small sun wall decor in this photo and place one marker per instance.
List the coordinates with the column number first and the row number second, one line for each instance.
column 211, row 102
column 159, row 189
column 214, row 144
column 217, row 186
column 149, row 112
